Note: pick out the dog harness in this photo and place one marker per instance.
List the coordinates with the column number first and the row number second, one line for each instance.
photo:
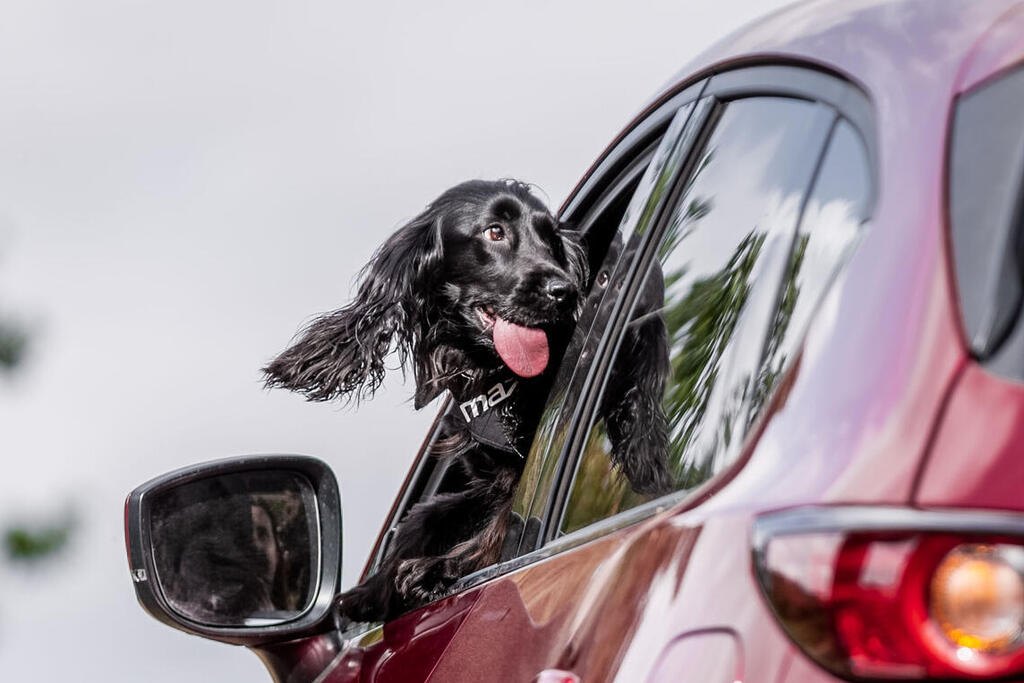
column 485, row 415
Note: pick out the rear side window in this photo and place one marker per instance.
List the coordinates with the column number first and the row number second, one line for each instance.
column 682, row 379
column 986, row 169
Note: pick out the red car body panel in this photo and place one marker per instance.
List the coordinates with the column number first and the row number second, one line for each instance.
column 883, row 363
column 978, row 459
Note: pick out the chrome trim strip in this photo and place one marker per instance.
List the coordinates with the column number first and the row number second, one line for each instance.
column 579, row 537
column 822, row 519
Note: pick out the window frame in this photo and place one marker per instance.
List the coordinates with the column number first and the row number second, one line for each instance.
column 825, row 119
column 813, row 84
column 800, row 81
column 595, row 371
column 598, row 187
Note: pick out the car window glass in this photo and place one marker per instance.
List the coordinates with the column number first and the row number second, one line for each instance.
column 831, row 222
column 675, row 402
column 986, row 219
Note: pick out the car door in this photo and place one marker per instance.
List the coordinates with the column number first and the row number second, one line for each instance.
column 697, row 262
column 705, row 265
column 673, row 597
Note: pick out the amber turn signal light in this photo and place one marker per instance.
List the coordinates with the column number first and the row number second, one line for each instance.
column 977, row 598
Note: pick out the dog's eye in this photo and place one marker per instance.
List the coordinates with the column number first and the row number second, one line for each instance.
column 495, row 233
column 602, row 278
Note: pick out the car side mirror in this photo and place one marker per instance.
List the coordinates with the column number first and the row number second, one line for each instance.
column 245, row 550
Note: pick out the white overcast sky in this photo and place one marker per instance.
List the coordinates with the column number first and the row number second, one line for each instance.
column 183, row 183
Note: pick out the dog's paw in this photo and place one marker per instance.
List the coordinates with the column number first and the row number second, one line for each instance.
column 360, row 604
column 423, row 580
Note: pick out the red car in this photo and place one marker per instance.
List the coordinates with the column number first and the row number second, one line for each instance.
column 822, row 219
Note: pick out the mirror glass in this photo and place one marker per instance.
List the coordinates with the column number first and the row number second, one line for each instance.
column 238, row 549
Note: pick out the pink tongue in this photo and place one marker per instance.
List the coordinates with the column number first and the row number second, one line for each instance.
column 524, row 349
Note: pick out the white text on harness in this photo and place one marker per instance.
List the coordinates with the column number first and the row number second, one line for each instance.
column 479, row 405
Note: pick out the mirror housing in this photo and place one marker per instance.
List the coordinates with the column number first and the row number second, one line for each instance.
column 193, row 508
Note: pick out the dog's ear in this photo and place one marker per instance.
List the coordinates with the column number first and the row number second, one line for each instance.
column 341, row 354
column 436, row 368
column 575, row 256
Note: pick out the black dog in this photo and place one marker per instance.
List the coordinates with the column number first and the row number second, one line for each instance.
column 480, row 293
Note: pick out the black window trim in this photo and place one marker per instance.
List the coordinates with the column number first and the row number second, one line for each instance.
column 613, row 191
column 693, row 94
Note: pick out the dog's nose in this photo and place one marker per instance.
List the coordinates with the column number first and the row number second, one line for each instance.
column 559, row 289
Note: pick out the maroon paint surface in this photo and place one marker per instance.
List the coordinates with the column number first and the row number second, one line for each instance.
column 852, row 423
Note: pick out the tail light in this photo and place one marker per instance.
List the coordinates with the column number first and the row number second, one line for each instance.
column 896, row 593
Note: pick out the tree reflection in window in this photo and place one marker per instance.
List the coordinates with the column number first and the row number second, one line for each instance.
column 720, row 261
column 831, row 223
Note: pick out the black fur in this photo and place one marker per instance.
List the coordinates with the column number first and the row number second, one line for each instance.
column 420, row 293
column 422, row 297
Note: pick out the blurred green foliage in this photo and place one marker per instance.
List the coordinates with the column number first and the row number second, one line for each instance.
column 28, row 543
column 24, row 544
column 13, row 344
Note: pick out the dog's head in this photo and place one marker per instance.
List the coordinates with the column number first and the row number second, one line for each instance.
column 484, row 277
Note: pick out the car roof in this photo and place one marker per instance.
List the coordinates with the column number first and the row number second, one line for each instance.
column 881, row 44
column 911, row 57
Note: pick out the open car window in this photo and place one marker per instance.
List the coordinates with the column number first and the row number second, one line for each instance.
column 600, row 224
